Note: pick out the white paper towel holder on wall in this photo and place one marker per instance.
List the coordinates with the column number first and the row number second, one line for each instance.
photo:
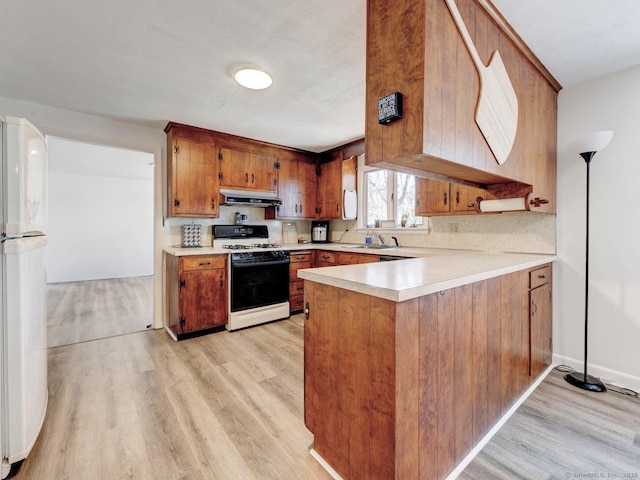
column 519, row 204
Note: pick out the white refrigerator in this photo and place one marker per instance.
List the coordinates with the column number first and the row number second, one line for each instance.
column 23, row 322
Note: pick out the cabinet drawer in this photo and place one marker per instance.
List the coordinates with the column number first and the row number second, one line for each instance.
column 203, row 262
column 346, row 258
column 296, row 288
column 326, row 257
column 539, row 277
column 293, row 270
column 296, row 303
column 299, row 257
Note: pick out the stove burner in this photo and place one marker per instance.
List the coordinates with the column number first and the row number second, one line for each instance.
column 253, row 245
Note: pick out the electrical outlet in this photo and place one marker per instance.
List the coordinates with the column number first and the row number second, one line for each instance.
column 453, row 227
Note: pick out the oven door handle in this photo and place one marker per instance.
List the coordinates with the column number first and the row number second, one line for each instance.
column 257, row 264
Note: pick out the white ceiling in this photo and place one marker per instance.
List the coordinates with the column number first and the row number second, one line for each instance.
column 154, row 61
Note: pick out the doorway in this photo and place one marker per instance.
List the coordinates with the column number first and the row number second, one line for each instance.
column 100, row 256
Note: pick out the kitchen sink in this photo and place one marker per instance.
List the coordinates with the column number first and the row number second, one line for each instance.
column 373, row 247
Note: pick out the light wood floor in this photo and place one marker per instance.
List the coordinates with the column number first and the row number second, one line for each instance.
column 563, row 432
column 92, row 309
column 230, row 406
column 141, row 406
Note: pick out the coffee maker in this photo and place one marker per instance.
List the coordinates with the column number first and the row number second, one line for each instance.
column 320, row 231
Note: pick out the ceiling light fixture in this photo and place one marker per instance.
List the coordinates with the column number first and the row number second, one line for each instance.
column 253, row 79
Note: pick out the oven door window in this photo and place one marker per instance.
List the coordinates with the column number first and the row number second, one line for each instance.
column 257, row 285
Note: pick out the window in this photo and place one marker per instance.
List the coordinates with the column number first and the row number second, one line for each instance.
column 389, row 196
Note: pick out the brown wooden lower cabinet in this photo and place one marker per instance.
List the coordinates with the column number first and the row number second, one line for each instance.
column 349, row 258
column 298, row 260
column 405, row 390
column 328, row 258
column 540, row 321
column 196, row 293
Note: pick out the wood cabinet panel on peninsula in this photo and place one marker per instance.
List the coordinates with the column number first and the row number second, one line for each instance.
column 415, row 48
column 196, row 293
column 406, row 389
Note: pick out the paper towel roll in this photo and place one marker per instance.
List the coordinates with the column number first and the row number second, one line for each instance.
column 504, row 205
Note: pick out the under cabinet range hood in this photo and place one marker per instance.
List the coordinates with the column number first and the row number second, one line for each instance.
column 251, row 198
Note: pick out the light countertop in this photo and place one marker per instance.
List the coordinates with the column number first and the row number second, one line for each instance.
column 432, row 270
column 179, row 251
column 425, row 271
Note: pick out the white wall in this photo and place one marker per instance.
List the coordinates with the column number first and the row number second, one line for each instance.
column 85, row 127
column 611, row 102
column 99, row 227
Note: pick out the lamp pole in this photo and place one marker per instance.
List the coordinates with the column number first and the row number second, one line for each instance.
column 586, row 381
column 588, row 144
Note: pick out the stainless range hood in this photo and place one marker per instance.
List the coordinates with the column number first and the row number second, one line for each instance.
column 249, row 198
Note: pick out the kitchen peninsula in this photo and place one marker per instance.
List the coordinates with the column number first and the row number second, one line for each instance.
column 408, row 364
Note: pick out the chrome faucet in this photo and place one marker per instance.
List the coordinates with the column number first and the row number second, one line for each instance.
column 380, row 239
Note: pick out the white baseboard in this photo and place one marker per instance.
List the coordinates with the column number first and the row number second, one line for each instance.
column 487, row 438
column 472, row 454
column 605, row 374
column 324, row 464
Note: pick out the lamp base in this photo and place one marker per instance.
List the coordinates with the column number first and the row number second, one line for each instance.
column 587, row 382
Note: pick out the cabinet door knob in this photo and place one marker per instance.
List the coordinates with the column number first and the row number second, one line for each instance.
column 202, row 264
column 306, row 311
column 221, row 282
column 246, row 178
column 444, row 198
column 252, row 178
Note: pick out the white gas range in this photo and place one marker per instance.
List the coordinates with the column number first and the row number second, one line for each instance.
column 259, row 275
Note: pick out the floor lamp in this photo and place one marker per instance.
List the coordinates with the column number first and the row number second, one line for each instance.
column 587, row 146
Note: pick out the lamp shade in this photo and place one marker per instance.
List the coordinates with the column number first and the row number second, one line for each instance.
column 589, row 142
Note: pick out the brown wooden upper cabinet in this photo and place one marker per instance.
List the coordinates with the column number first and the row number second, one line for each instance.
column 297, row 188
column 200, row 161
column 464, row 197
column 437, row 197
column 192, row 174
column 432, row 197
column 248, row 170
column 330, row 190
column 336, row 175
column 415, row 48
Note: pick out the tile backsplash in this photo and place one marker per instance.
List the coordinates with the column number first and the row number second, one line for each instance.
column 506, row 232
